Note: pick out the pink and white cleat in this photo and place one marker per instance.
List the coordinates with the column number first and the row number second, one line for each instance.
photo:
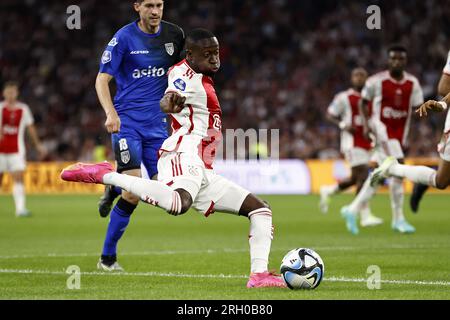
column 265, row 280
column 87, row 173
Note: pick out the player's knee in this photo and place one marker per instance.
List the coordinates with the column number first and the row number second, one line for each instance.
column 186, row 200
column 129, row 197
column 442, row 182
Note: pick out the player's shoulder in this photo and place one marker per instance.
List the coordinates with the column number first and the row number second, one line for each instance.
column 23, row 106
column 411, row 77
column 172, row 27
column 125, row 31
column 183, row 69
column 378, row 77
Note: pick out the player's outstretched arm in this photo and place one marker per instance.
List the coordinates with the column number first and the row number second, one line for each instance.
column 112, row 122
column 444, row 85
column 172, row 102
column 433, row 105
column 341, row 124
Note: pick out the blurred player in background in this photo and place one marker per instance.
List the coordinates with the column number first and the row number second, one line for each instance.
column 15, row 119
column 394, row 94
column 443, row 89
column 185, row 174
column 344, row 112
column 138, row 57
column 420, row 174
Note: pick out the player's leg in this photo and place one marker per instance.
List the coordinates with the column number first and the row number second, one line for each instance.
column 361, row 174
column 222, row 195
column 128, row 153
column 443, row 174
column 175, row 196
column 418, row 192
column 19, row 194
column 107, row 199
column 16, row 164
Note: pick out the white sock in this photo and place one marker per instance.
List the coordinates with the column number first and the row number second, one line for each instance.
column 363, row 197
column 365, row 211
column 332, row 189
column 417, row 174
column 19, row 197
column 397, row 198
column 260, row 239
column 153, row 192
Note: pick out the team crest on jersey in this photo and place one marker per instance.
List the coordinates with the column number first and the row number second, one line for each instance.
column 180, row 84
column 125, row 157
column 113, row 42
column 170, row 48
column 106, row 57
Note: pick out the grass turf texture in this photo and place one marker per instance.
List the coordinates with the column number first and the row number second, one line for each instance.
column 191, row 257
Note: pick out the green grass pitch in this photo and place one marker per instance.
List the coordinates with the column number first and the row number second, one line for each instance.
column 192, row 257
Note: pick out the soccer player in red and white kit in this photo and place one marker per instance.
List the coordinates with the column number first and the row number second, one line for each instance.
column 15, row 118
column 394, row 93
column 344, row 112
column 439, row 179
column 185, row 174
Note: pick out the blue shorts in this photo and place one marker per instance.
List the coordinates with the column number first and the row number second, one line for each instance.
column 134, row 145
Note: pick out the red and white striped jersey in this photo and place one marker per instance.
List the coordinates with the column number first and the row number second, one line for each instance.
column 198, row 127
column 393, row 101
column 447, row 65
column 345, row 107
column 13, row 122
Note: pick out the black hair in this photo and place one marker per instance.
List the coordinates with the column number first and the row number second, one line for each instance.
column 397, row 48
column 11, row 84
column 199, row 34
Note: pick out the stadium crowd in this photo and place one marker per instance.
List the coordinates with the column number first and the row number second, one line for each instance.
column 282, row 63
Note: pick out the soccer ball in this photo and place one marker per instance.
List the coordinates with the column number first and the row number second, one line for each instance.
column 302, row 268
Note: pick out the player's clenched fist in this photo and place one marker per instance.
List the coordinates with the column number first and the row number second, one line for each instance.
column 112, row 122
column 172, row 102
column 430, row 105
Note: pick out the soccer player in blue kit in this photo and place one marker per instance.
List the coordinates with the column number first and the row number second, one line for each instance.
column 138, row 57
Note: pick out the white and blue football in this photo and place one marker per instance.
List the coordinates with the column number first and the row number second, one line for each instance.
column 302, row 268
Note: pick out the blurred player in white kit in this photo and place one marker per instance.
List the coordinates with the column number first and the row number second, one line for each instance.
column 15, row 119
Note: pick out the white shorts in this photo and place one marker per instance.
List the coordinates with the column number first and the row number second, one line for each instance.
column 395, row 150
column 12, row 162
column 210, row 192
column 444, row 147
column 357, row 157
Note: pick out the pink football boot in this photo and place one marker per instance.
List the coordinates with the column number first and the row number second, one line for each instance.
column 265, row 280
column 87, row 173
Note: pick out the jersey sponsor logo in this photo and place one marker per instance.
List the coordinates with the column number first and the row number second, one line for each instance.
column 148, row 72
column 10, row 130
column 139, row 52
column 391, row 113
column 180, row 84
column 113, row 42
column 217, row 122
column 106, row 57
column 170, row 48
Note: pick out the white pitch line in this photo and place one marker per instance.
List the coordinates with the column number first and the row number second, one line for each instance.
column 214, row 251
column 214, row 276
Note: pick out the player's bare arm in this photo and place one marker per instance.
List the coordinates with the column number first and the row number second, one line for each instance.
column 438, row 106
column 341, row 124
column 444, row 85
column 172, row 102
column 32, row 133
column 112, row 122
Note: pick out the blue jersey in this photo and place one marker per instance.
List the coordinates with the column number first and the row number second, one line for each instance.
column 139, row 62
